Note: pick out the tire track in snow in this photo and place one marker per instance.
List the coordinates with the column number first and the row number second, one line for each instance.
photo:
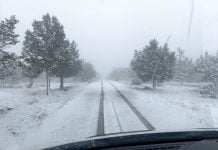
column 116, row 114
column 137, row 113
column 100, row 126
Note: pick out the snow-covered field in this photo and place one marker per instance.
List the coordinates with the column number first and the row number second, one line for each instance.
column 173, row 107
column 75, row 121
column 31, row 120
column 23, row 109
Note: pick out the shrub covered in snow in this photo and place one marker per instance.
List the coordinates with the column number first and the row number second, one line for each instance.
column 208, row 90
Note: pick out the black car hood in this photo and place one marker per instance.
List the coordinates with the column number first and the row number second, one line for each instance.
column 138, row 139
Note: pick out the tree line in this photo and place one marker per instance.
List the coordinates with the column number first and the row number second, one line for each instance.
column 45, row 49
column 158, row 64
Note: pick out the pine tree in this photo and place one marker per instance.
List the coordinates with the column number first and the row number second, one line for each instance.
column 179, row 65
column 208, row 65
column 154, row 63
column 7, row 35
column 42, row 45
column 7, row 38
column 167, row 63
column 121, row 74
column 9, row 68
column 67, row 63
column 184, row 68
column 87, row 72
column 31, row 72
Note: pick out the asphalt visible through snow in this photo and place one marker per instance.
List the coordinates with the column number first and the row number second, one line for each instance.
column 117, row 114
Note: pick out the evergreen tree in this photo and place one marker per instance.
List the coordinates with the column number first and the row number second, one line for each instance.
column 121, row 74
column 7, row 38
column 166, row 65
column 9, row 68
column 184, row 68
column 179, row 65
column 208, row 65
column 67, row 63
column 31, row 72
column 42, row 45
column 154, row 63
column 87, row 72
column 7, row 35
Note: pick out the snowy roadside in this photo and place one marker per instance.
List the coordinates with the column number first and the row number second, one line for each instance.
column 173, row 107
column 23, row 109
column 32, row 120
column 75, row 121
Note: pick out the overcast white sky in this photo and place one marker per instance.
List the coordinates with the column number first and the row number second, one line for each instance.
column 108, row 31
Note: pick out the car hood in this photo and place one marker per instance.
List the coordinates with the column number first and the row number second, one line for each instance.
column 139, row 138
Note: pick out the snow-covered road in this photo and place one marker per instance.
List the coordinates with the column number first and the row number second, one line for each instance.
column 124, row 109
column 118, row 115
column 79, row 118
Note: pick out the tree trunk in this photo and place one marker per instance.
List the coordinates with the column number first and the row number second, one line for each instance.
column 31, row 82
column 180, row 78
column 154, row 83
column 47, row 83
column 61, row 83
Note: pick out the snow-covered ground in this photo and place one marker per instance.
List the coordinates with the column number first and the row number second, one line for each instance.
column 31, row 120
column 75, row 121
column 125, row 120
column 23, row 109
column 173, row 107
